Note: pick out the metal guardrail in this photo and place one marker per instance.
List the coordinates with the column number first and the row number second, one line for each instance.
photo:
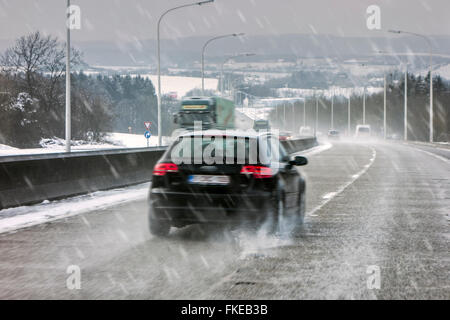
column 29, row 179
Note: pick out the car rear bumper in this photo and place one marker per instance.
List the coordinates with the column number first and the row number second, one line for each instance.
column 207, row 207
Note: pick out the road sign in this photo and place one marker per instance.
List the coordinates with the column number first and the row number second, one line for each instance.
column 148, row 124
column 147, row 134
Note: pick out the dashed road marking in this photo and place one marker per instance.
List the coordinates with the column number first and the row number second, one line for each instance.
column 330, row 196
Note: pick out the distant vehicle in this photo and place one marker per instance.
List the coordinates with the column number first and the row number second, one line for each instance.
column 284, row 135
column 261, row 188
column 362, row 131
column 393, row 136
column 306, row 131
column 261, row 125
column 333, row 134
column 212, row 112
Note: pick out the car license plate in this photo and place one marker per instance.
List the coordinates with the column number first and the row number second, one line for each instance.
column 209, row 179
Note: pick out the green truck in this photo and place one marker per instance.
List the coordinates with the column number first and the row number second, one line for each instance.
column 212, row 112
column 261, row 124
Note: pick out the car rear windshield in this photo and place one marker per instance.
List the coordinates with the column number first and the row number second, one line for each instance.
column 364, row 130
column 216, row 150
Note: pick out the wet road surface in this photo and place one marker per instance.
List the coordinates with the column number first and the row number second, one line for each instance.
column 382, row 207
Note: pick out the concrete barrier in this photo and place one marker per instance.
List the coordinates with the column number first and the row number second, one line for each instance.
column 34, row 178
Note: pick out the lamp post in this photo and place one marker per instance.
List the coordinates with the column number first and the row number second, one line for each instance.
column 203, row 53
column 304, row 112
column 159, row 57
column 349, row 115
column 225, row 61
column 405, row 120
column 431, row 70
column 405, row 98
column 332, row 111
column 364, row 105
column 364, row 101
column 316, row 122
column 68, row 106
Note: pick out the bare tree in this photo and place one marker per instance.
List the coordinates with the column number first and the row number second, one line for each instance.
column 35, row 55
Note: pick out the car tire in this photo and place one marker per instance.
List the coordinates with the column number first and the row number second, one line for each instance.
column 301, row 208
column 301, row 203
column 157, row 226
column 275, row 214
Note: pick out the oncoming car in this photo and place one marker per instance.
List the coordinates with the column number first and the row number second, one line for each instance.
column 333, row 134
column 212, row 176
column 362, row 131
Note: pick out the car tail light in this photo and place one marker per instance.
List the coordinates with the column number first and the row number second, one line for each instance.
column 162, row 168
column 258, row 172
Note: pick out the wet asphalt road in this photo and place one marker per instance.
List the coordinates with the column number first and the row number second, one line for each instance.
column 370, row 207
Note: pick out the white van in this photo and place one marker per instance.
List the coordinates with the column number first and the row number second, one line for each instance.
column 362, row 131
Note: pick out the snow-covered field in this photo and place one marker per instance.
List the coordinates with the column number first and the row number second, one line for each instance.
column 169, row 84
column 111, row 141
column 256, row 113
column 180, row 85
column 336, row 91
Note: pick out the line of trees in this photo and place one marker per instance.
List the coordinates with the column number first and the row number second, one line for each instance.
column 32, row 96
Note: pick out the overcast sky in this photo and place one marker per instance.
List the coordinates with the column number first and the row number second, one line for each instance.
column 136, row 19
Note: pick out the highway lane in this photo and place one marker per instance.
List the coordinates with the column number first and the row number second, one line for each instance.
column 442, row 151
column 382, row 206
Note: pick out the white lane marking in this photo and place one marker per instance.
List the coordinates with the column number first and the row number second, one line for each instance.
column 332, row 195
column 433, row 154
column 329, row 195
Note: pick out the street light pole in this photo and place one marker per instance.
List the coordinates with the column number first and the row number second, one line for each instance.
column 304, row 112
column 384, row 107
column 316, row 124
column 68, row 106
column 405, row 122
column 348, row 115
column 431, row 73
column 203, row 54
column 364, row 105
column 159, row 58
column 332, row 111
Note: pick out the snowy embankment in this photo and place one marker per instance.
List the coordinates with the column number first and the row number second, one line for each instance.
column 110, row 141
column 47, row 211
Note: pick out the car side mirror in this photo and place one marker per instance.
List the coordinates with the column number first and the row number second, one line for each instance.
column 299, row 161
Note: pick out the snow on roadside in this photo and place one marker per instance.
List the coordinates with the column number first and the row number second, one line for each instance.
column 26, row 216
column 129, row 140
column 112, row 140
column 4, row 147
